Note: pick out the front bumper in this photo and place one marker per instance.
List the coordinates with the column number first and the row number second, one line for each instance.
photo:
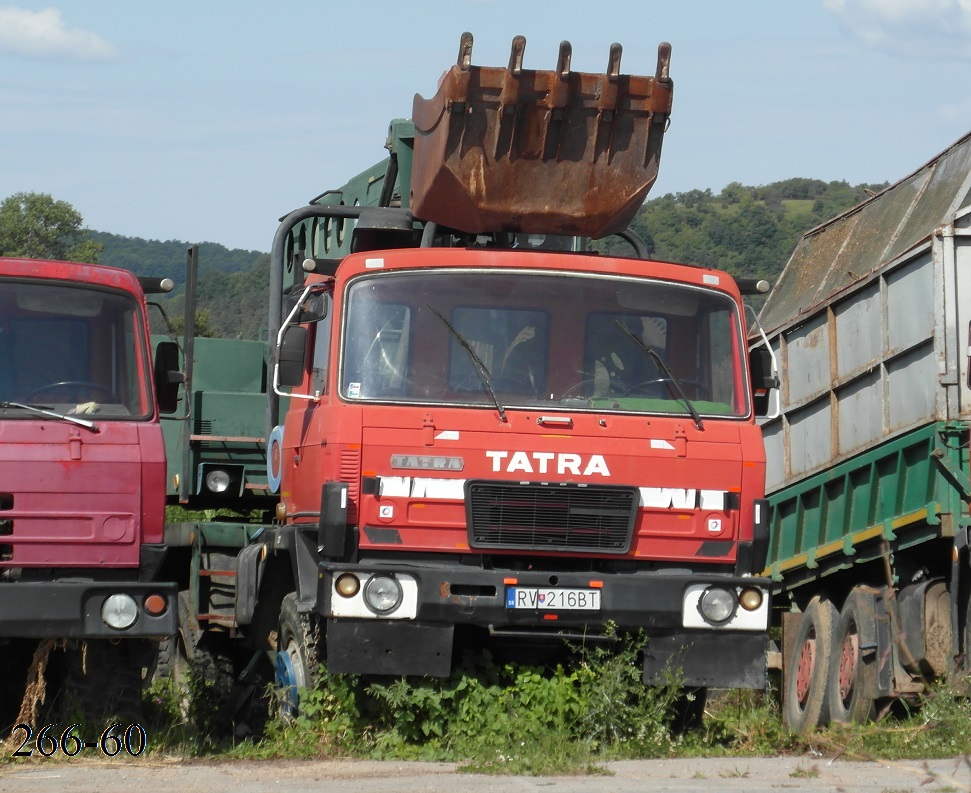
column 72, row 610
column 663, row 606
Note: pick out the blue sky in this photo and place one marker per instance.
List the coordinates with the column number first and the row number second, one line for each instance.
column 208, row 120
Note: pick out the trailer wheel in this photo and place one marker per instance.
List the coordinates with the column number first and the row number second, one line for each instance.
column 296, row 658
column 805, row 704
column 964, row 667
column 848, row 701
column 203, row 678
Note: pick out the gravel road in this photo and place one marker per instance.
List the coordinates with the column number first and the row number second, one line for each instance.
column 761, row 775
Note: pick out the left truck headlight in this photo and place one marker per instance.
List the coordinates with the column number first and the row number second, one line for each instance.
column 119, row 612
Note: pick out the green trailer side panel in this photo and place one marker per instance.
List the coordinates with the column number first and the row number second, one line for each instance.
column 907, row 490
column 226, row 421
column 236, row 365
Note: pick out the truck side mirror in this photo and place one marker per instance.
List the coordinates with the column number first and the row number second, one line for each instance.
column 292, row 356
column 168, row 376
column 764, row 379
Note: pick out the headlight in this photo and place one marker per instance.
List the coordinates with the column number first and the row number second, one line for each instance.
column 119, row 612
column 717, row 605
column 217, row 481
column 382, row 594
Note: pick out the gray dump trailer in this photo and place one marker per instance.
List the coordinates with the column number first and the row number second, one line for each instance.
column 867, row 460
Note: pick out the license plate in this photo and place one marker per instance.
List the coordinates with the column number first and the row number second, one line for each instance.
column 539, row 598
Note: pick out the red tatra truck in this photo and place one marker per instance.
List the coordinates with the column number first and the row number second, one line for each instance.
column 82, row 463
column 494, row 434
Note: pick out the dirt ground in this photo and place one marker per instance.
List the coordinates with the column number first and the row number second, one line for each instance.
column 759, row 775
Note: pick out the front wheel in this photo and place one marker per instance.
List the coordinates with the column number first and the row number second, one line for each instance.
column 296, row 658
column 689, row 710
column 103, row 682
column 805, row 703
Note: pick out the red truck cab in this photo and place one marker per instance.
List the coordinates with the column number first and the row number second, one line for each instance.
column 526, row 443
column 82, row 463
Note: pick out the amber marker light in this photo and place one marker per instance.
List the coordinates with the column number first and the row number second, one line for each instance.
column 510, row 581
column 596, row 584
column 347, row 585
column 750, row 598
column 155, row 605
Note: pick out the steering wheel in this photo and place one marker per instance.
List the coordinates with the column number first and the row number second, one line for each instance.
column 75, row 384
column 701, row 390
column 580, row 389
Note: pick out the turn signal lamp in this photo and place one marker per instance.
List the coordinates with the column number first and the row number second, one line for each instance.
column 347, row 585
column 155, row 605
column 750, row 598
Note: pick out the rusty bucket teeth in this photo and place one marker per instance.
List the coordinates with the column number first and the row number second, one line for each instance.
column 545, row 152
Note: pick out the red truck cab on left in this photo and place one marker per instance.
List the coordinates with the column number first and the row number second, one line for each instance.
column 82, row 461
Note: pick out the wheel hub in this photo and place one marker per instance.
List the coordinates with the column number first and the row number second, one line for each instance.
column 804, row 672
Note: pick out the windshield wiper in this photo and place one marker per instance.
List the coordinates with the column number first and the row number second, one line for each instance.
column 50, row 414
column 480, row 368
column 673, row 383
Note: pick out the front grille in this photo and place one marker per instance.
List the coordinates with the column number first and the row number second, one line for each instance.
column 550, row 517
column 351, row 474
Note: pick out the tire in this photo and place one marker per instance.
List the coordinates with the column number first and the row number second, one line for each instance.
column 202, row 677
column 296, row 658
column 848, row 701
column 689, row 710
column 102, row 682
column 171, row 656
column 805, row 703
column 176, row 656
column 963, row 672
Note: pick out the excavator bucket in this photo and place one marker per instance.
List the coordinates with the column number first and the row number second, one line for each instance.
column 544, row 152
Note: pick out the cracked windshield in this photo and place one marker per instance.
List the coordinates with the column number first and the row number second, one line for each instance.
column 542, row 340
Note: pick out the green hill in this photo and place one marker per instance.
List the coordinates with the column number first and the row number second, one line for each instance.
column 748, row 231
column 167, row 259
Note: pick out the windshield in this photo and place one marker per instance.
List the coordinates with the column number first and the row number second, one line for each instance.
column 73, row 349
column 577, row 342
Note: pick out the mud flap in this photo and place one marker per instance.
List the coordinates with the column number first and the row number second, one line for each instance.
column 249, row 573
column 712, row 659
column 389, row 647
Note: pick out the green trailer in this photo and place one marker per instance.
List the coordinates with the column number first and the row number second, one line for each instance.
column 219, row 504
column 867, row 454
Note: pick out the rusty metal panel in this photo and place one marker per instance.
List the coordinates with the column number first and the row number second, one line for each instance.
column 807, row 363
column 945, row 191
column 548, row 152
column 871, row 320
column 860, row 412
column 861, row 241
column 859, row 337
column 809, row 439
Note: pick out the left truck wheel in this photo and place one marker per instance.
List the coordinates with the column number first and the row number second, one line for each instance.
column 102, row 682
column 296, row 658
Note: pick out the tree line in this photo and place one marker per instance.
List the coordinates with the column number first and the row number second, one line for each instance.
column 748, row 231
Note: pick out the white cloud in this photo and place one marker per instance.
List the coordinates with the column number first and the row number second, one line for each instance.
column 931, row 29
column 43, row 34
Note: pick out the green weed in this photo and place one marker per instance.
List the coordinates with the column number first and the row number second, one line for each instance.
column 563, row 718
column 495, row 717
